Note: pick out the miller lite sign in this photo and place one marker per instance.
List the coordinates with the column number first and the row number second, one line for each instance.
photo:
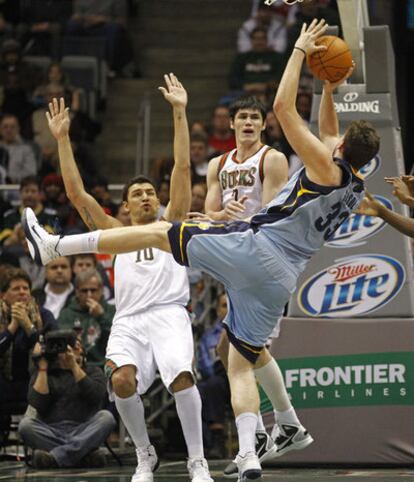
column 357, row 228
column 353, row 286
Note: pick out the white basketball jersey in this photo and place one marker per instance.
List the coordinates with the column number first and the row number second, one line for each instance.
column 147, row 278
column 238, row 179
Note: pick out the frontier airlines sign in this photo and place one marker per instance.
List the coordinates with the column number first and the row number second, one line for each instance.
column 349, row 380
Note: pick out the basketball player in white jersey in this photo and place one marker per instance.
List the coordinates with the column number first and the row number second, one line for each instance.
column 151, row 329
column 240, row 183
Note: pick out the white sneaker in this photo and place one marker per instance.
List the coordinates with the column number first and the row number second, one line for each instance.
column 42, row 245
column 147, row 465
column 198, row 470
column 289, row 436
column 265, row 450
column 249, row 467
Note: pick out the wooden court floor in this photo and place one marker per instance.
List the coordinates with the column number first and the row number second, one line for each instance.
column 176, row 472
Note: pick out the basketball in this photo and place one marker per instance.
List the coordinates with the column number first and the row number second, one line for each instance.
column 333, row 63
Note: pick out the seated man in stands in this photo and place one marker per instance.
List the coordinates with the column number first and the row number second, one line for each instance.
column 11, row 233
column 55, row 295
column 214, row 388
column 21, row 322
column 90, row 315
column 67, row 395
column 22, row 160
column 221, row 138
column 105, row 19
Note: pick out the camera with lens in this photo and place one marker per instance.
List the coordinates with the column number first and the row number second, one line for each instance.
column 57, row 341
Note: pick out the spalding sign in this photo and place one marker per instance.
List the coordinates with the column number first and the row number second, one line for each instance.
column 355, row 286
column 357, row 228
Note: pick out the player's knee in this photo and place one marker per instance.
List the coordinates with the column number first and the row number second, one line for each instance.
column 123, row 382
column 182, row 381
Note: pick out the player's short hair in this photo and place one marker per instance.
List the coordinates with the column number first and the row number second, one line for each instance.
column 361, row 143
column 248, row 102
column 13, row 274
column 141, row 179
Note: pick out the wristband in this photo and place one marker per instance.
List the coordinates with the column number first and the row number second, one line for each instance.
column 42, row 369
column 298, row 48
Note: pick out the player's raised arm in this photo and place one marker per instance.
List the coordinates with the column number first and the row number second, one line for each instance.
column 90, row 211
column 180, row 188
column 316, row 157
column 328, row 119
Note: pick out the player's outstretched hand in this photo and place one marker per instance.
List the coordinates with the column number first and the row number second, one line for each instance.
column 370, row 206
column 329, row 87
column 174, row 93
column 403, row 188
column 309, row 34
column 58, row 118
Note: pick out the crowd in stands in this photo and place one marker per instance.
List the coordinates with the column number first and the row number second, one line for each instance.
column 77, row 294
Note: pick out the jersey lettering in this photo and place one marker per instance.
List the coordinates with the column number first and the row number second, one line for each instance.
column 146, row 254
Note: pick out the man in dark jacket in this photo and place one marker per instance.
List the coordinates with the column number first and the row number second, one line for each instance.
column 69, row 426
column 21, row 322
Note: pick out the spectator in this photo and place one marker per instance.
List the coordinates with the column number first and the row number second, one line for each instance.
column 19, row 80
column 198, row 127
column 274, row 24
column 304, row 105
column 221, row 138
column 90, row 314
column 58, row 290
column 88, row 261
column 99, row 190
column 43, row 22
column 70, row 426
column 199, row 193
column 163, row 193
column 22, row 160
column 199, row 158
column 21, row 322
column 30, row 197
column 214, row 388
column 105, row 18
column 54, row 198
column 258, row 67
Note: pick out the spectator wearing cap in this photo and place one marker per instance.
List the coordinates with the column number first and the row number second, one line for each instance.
column 21, row 157
column 11, row 231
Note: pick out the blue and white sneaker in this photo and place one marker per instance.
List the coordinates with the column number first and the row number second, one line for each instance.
column 42, row 245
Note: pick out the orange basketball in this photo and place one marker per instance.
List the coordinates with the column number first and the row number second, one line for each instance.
column 333, row 63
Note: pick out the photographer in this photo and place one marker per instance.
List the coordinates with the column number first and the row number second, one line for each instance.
column 21, row 322
column 67, row 395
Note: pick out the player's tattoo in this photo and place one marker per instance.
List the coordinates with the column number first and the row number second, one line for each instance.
column 88, row 219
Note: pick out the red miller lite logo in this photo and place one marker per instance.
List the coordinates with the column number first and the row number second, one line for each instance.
column 355, row 286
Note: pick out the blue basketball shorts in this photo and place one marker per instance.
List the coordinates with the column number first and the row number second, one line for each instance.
column 257, row 281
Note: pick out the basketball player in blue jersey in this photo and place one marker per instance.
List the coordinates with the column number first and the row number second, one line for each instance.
column 240, row 183
column 258, row 260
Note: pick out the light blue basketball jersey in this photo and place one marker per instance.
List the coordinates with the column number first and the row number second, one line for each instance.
column 304, row 215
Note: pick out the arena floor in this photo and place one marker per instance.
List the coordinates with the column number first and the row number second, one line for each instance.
column 175, row 471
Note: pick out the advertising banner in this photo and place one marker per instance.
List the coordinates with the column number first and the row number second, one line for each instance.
column 352, row 385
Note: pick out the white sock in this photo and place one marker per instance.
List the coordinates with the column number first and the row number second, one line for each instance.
column 271, row 380
column 246, row 428
column 260, row 425
column 132, row 412
column 287, row 416
column 79, row 243
column 188, row 403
